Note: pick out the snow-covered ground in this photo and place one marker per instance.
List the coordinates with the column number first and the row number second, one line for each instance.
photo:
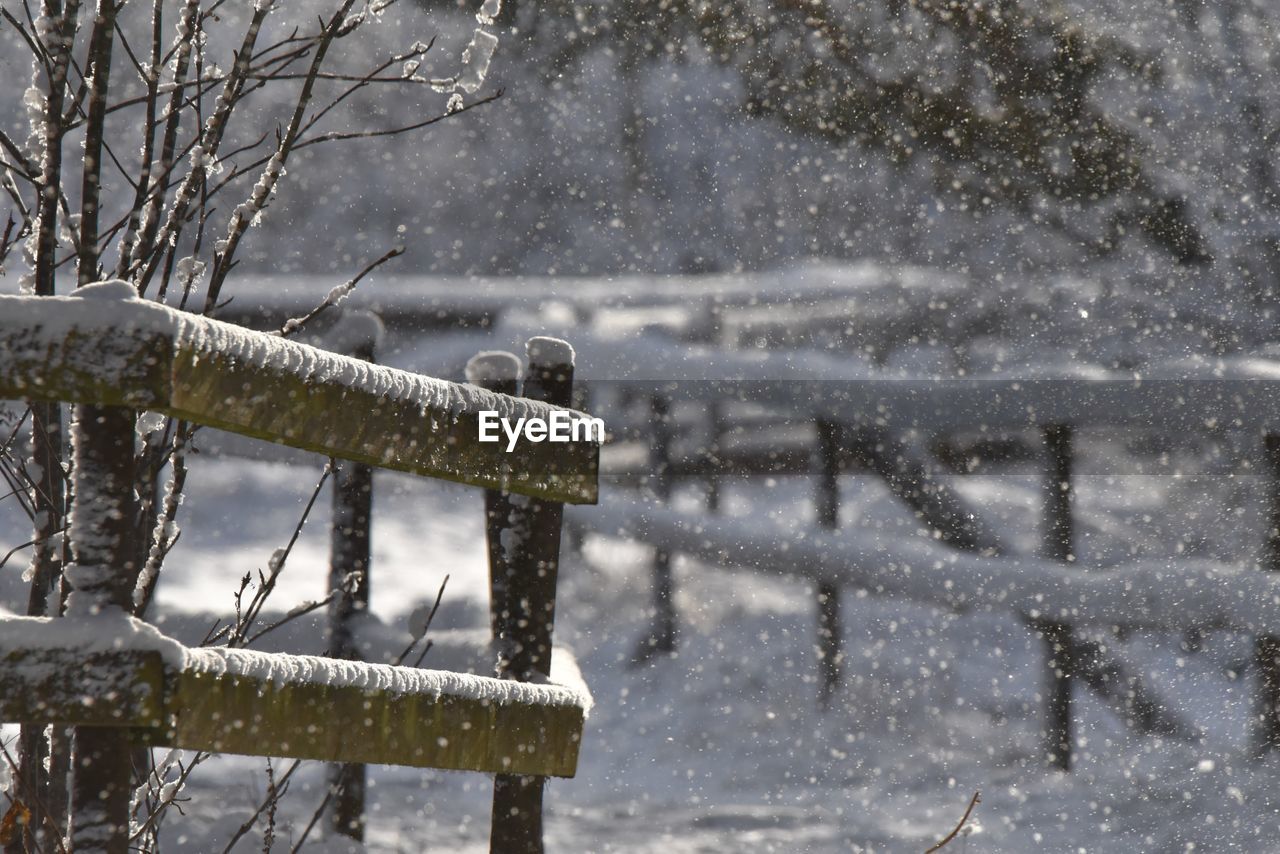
column 722, row 747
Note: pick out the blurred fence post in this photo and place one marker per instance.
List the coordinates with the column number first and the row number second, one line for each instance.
column 524, row 555
column 827, row 503
column 1057, row 535
column 1267, row 650
column 715, row 429
column 498, row 372
column 349, row 549
column 663, row 631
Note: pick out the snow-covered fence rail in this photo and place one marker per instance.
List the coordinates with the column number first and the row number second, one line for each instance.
column 1168, row 595
column 102, row 347
column 114, row 671
column 873, row 412
column 116, row 680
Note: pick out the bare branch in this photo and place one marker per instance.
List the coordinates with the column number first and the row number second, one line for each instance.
column 243, row 215
column 33, row 42
column 336, row 137
column 335, row 296
column 973, row 802
column 143, row 185
column 294, row 613
column 275, row 566
column 271, row 797
column 362, row 82
column 425, row 628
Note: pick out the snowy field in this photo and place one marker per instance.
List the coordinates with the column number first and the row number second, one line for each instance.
column 722, row 747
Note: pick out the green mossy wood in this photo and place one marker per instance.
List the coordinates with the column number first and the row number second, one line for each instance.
column 137, row 354
column 227, row 713
column 105, row 348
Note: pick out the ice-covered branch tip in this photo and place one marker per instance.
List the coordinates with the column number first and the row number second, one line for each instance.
column 489, row 11
column 476, row 59
column 475, row 64
column 337, row 294
column 492, row 366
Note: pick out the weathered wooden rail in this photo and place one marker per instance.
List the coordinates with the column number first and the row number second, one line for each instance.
column 88, row 350
column 306, row 707
column 118, row 681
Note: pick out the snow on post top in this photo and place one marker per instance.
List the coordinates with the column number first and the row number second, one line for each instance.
column 113, row 289
column 355, row 330
column 549, row 351
column 492, row 366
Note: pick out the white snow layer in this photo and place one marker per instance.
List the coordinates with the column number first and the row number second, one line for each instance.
column 492, row 366
column 542, row 350
column 39, row 325
column 282, row 668
column 1174, row 594
column 113, row 631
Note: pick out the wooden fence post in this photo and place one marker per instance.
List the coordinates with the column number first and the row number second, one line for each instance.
column 524, row 563
column 1267, row 647
column 663, row 631
column 101, row 578
column 715, row 429
column 349, row 539
column 498, row 372
column 827, row 502
column 1057, row 535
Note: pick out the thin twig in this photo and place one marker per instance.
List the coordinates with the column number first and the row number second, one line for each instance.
column 281, row 786
column 426, row 628
column 973, row 802
column 336, row 295
column 278, row 560
column 371, row 134
column 315, row 817
column 13, row 551
column 293, row 614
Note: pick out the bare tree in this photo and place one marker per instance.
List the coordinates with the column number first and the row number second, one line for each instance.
column 157, row 136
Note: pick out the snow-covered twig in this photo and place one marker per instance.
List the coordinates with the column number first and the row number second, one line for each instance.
column 158, row 796
column 204, row 154
column 247, row 212
column 165, row 532
column 337, row 294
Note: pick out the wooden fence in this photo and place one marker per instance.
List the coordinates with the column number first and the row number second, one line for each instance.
column 861, row 424
column 119, row 682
